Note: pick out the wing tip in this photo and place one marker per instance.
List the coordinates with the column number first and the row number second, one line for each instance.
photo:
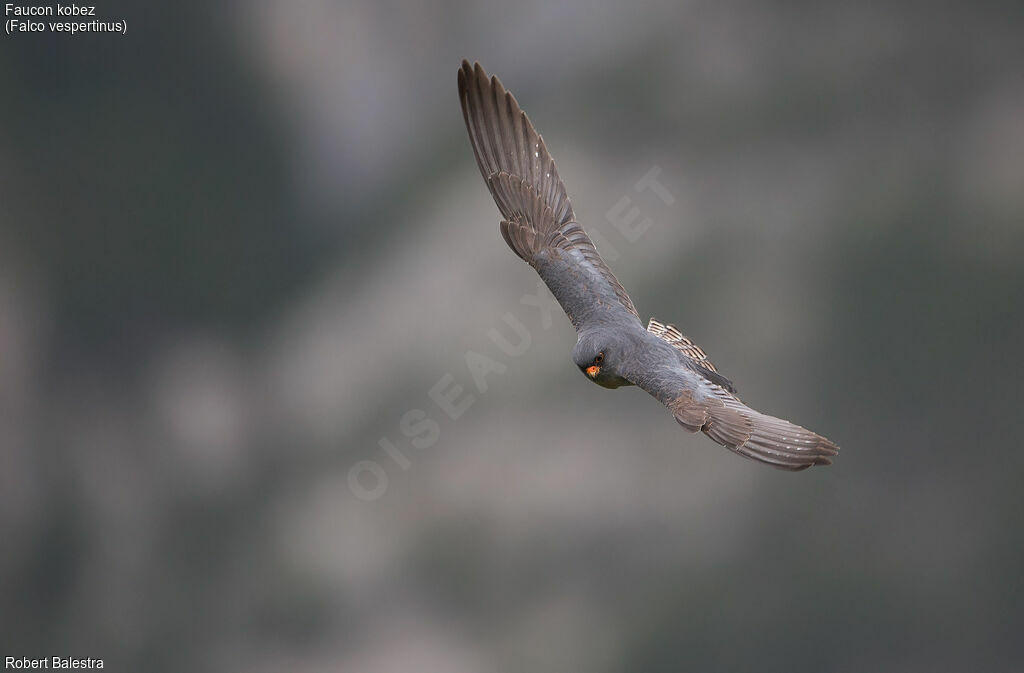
column 463, row 79
column 475, row 73
column 795, row 459
column 504, row 139
column 777, row 442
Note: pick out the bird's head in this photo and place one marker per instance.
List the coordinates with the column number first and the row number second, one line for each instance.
column 599, row 355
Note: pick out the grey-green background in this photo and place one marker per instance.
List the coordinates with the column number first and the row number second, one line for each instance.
column 238, row 244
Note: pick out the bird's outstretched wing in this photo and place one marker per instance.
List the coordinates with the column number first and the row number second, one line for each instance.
column 539, row 224
column 699, row 404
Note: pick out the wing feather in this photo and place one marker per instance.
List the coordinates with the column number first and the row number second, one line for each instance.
column 698, row 404
column 766, row 438
column 537, row 214
column 504, row 141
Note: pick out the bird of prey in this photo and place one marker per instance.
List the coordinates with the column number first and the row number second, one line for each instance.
column 613, row 348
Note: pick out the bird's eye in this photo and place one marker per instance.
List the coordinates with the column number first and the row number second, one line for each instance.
column 599, row 359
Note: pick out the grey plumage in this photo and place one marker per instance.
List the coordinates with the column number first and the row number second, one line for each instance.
column 613, row 348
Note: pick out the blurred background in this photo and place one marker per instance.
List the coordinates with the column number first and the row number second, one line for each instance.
column 242, row 244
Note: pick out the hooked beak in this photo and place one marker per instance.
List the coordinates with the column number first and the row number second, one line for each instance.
column 592, row 371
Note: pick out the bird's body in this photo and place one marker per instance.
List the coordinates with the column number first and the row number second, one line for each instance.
column 613, row 347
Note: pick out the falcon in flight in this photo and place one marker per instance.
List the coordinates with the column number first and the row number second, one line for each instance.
column 613, row 348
